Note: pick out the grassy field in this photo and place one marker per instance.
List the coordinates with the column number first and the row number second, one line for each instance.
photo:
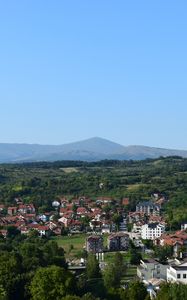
column 69, row 170
column 72, row 245
column 133, row 187
column 130, row 273
column 109, row 256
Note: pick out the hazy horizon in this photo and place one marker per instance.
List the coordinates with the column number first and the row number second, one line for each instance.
column 95, row 137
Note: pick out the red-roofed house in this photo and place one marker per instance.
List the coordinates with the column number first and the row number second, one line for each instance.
column 177, row 240
column 63, row 210
column 26, row 208
column 42, row 229
column 82, row 211
column 24, row 230
column 65, row 220
column 12, row 210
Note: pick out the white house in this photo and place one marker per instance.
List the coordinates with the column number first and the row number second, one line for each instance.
column 137, row 228
column 152, row 231
column 184, row 226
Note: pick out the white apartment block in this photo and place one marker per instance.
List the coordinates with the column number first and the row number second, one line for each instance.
column 177, row 273
column 152, row 231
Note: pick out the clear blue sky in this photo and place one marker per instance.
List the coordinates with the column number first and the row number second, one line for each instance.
column 75, row 69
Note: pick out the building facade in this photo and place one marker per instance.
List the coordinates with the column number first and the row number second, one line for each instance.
column 118, row 241
column 152, row 231
column 177, row 273
column 151, row 268
column 94, row 244
column 148, row 207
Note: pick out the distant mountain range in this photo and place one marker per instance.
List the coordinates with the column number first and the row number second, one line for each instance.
column 92, row 149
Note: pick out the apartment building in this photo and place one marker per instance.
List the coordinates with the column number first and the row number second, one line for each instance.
column 118, row 241
column 177, row 273
column 152, row 231
column 94, row 244
column 148, row 207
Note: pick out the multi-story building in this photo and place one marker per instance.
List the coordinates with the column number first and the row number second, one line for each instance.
column 153, row 273
column 123, row 225
column 152, row 231
column 177, row 273
column 94, row 244
column 151, row 268
column 148, row 207
column 118, row 241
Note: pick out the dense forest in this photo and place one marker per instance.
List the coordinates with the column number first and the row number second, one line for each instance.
column 43, row 182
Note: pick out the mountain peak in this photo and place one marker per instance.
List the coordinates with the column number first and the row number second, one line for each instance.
column 92, row 149
column 95, row 144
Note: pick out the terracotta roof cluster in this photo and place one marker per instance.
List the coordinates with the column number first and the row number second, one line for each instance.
column 82, row 210
column 172, row 239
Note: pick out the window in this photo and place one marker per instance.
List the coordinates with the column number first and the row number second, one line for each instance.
column 178, row 276
column 184, row 275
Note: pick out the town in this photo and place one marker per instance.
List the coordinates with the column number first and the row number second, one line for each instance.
column 107, row 226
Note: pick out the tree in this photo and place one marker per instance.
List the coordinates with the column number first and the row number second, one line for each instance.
column 3, row 294
column 54, row 255
column 92, row 267
column 163, row 253
column 64, row 231
column 119, row 264
column 114, row 272
column 71, row 297
column 10, row 279
column 89, row 296
column 129, row 227
column 12, row 231
column 135, row 256
column 137, row 291
column 172, row 291
column 32, row 256
column 33, row 233
column 51, row 283
column 117, row 219
column 148, row 243
column 110, row 277
column 85, row 222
